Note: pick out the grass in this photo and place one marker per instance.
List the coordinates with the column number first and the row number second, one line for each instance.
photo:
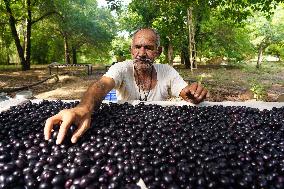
column 234, row 80
column 10, row 67
column 244, row 78
column 248, row 71
column 18, row 67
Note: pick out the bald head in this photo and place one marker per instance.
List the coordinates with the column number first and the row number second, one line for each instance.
column 148, row 32
column 145, row 48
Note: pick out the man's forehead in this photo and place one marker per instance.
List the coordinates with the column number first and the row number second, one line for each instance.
column 145, row 34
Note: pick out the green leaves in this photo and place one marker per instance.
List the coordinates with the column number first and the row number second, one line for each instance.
column 121, row 48
column 259, row 91
column 87, row 28
column 265, row 31
column 220, row 27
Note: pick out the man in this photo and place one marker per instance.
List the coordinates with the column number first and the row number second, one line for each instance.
column 138, row 79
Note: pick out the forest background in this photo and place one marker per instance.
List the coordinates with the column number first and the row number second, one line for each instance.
column 243, row 38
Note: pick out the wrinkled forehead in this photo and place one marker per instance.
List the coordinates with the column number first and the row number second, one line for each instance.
column 144, row 37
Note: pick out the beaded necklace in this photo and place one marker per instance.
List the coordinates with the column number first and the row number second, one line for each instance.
column 145, row 93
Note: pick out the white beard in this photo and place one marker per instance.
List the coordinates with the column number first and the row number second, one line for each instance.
column 142, row 64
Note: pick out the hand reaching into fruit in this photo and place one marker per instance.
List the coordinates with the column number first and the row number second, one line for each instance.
column 78, row 115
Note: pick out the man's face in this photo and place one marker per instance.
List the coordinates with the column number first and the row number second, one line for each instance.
column 144, row 49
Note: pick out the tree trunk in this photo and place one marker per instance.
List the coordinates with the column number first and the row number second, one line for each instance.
column 24, row 33
column 186, row 58
column 66, row 49
column 8, row 59
column 74, row 55
column 170, row 54
column 28, row 37
column 259, row 58
column 197, row 39
column 181, row 58
column 12, row 23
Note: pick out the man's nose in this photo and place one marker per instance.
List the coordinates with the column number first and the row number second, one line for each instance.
column 142, row 51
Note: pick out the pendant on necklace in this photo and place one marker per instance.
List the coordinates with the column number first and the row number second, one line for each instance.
column 146, row 94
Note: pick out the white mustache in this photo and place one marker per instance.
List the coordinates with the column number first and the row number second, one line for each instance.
column 147, row 60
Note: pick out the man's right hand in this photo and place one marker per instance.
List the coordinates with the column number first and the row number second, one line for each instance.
column 81, row 114
column 78, row 115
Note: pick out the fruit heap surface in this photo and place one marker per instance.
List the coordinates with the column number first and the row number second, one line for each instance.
column 168, row 147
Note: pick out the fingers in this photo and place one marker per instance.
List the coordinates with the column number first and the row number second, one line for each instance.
column 193, row 87
column 202, row 95
column 66, row 117
column 194, row 93
column 198, row 91
column 67, row 121
column 188, row 92
column 81, row 130
column 49, row 125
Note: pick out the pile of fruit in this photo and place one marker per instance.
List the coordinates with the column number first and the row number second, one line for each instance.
column 168, row 147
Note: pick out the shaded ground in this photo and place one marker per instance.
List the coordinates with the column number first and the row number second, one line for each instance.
column 236, row 84
column 223, row 84
column 71, row 83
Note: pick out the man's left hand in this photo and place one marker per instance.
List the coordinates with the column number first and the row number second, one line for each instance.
column 194, row 93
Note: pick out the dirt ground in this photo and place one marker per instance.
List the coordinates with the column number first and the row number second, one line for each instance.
column 69, row 86
column 72, row 84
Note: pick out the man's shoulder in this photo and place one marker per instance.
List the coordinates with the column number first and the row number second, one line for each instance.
column 124, row 64
column 165, row 67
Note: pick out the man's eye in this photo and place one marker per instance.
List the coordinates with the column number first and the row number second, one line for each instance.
column 149, row 48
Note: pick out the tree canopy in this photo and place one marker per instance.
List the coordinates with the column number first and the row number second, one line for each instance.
column 40, row 32
column 78, row 24
column 219, row 25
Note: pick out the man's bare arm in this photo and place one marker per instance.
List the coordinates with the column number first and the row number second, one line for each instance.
column 93, row 97
column 81, row 114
